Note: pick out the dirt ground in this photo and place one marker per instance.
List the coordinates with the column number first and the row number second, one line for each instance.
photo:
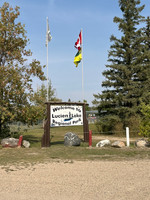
column 77, row 180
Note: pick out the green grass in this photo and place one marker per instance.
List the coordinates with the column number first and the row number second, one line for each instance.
column 57, row 151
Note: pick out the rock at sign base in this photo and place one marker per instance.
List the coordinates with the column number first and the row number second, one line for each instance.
column 9, row 142
column 71, row 139
column 118, row 144
column 26, row 144
column 142, row 143
column 103, row 143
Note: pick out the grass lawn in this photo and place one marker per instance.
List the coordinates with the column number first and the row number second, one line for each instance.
column 57, row 150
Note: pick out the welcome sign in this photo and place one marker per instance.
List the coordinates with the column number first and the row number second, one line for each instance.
column 66, row 115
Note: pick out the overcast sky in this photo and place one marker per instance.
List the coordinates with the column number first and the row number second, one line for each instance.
column 66, row 18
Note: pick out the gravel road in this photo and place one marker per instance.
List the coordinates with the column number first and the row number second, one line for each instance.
column 77, row 180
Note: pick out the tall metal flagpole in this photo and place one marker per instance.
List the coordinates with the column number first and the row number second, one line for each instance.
column 82, row 66
column 48, row 39
column 47, row 53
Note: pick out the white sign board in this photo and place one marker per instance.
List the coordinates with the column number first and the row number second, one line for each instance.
column 68, row 115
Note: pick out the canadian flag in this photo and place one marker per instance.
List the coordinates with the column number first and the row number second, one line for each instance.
column 79, row 41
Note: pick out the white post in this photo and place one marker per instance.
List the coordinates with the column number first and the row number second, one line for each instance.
column 127, row 136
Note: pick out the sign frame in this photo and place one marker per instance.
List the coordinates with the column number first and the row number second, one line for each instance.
column 45, row 142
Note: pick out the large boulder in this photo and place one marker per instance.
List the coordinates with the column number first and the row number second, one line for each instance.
column 9, row 142
column 71, row 139
column 118, row 144
column 142, row 143
column 103, row 143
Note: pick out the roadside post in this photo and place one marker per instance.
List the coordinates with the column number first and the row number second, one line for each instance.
column 90, row 138
column 20, row 141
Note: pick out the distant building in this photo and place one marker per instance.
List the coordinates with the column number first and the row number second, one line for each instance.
column 92, row 116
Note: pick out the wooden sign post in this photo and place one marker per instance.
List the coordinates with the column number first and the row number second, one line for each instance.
column 76, row 116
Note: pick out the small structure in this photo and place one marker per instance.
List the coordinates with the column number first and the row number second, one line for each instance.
column 64, row 114
column 92, row 116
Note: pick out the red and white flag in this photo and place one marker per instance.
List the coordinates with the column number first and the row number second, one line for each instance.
column 79, row 41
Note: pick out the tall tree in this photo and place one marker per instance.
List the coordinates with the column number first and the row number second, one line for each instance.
column 15, row 74
column 123, row 82
column 144, row 74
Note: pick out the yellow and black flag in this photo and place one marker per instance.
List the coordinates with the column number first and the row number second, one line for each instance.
column 78, row 58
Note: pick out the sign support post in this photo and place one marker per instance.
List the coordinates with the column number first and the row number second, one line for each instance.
column 46, row 136
column 85, row 125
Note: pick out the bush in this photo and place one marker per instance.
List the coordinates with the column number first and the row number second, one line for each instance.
column 107, row 125
column 118, row 129
column 133, row 123
column 4, row 131
column 115, row 125
column 145, row 123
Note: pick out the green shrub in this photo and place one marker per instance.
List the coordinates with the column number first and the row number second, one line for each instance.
column 5, row 131
column 145, row 123
column 106, row 125
column 118, row 129
column 133, row 122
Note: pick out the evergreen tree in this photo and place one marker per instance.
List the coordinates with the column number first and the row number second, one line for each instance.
column 144, row 74
column 124, row 79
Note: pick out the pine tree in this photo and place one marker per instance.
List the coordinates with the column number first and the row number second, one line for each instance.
column 123, row 83
column 144, row 74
